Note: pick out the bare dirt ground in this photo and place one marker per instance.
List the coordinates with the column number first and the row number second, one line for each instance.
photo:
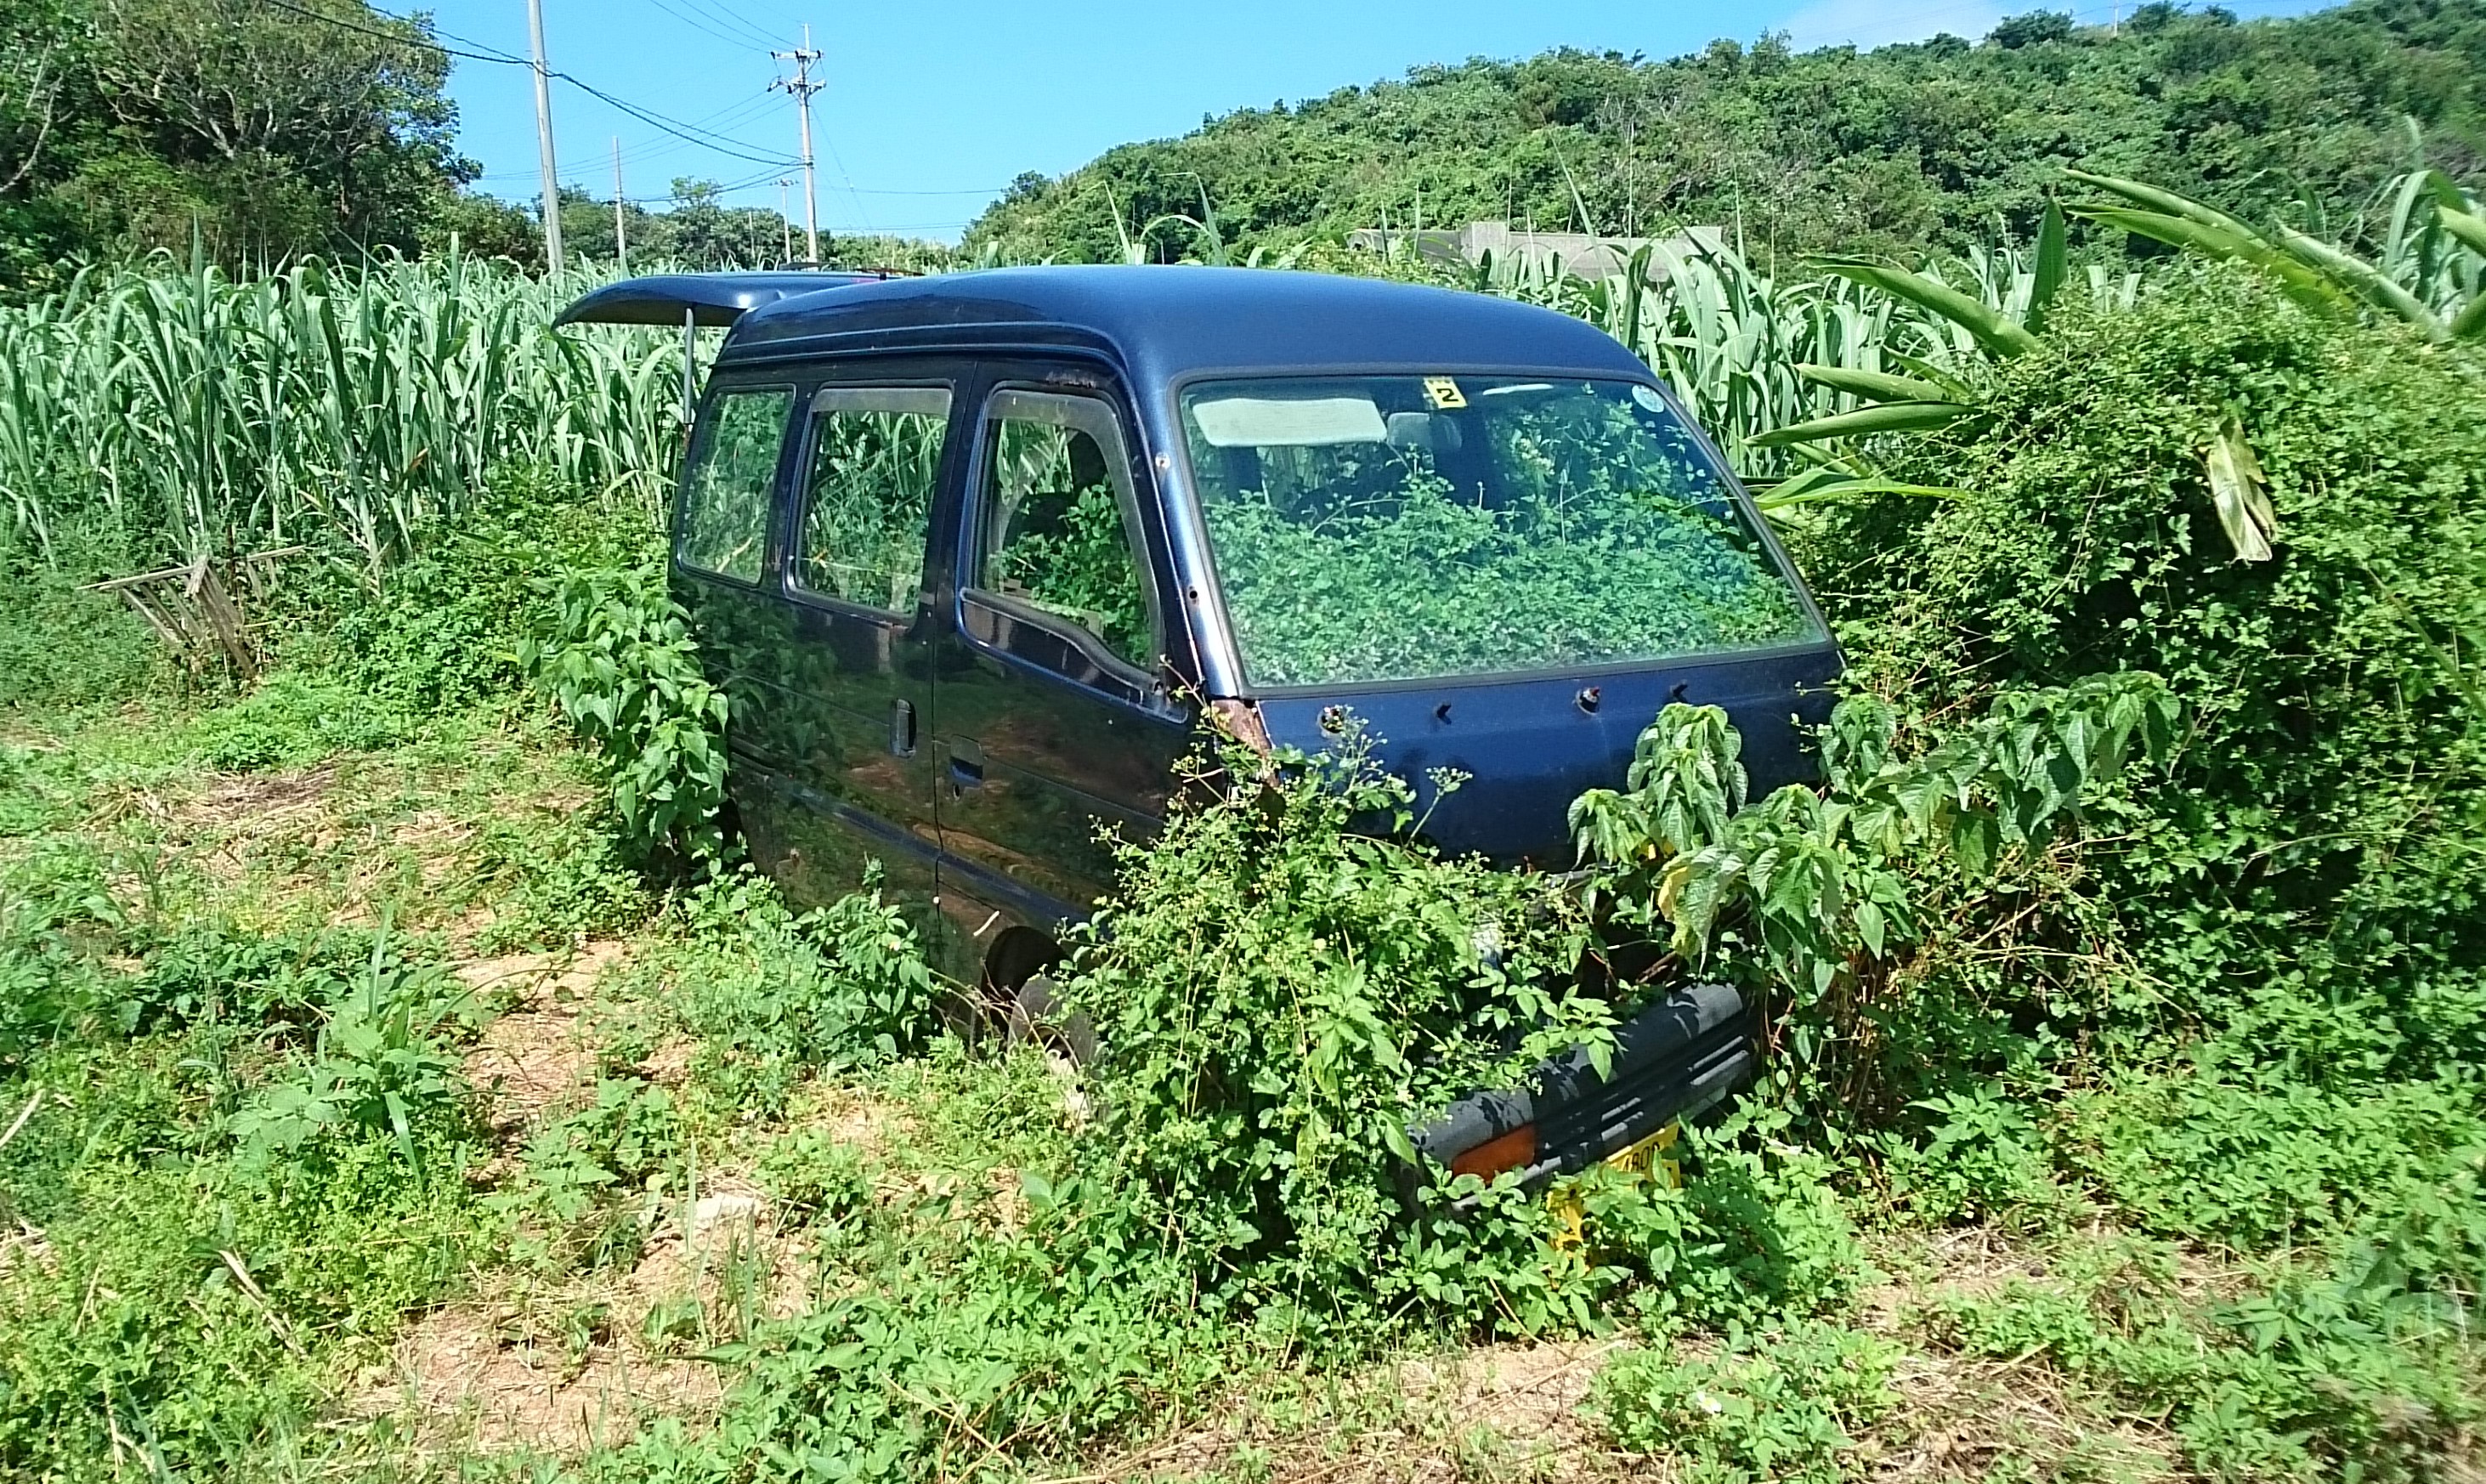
column 1505, row 1414
column 536, row 1058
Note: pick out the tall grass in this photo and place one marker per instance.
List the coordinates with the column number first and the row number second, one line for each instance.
column 184, row 412
column 181, row 412
column 1728, row 337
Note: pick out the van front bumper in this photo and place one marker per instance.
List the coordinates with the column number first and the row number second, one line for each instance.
column 1678, row 1058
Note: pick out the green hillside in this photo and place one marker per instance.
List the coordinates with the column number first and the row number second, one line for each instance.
column 1929, row 144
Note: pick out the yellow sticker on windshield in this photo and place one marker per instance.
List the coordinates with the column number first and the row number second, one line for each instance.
column 1444, row 393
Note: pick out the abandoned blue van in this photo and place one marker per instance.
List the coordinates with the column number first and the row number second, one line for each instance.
column 971, row 553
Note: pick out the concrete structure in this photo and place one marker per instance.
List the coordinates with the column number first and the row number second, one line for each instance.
column 1576, row 253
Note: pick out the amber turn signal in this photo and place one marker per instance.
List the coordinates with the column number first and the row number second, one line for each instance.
column 1514, row 1150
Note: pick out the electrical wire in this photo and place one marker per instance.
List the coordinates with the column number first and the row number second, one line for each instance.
column 731, row 8
column 673, row 127
column 977, row 190
column 692, row 19
column 421, row 39
column 733, row 21
column 852, row 194
column 748, row 183
column 739, row 113
column 717, row 142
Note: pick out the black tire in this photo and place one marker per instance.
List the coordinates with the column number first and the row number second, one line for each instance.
column 1035, row 1019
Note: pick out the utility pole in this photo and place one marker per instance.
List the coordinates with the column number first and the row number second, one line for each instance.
column 802, row 87
column 543, row 139
column 785, row 220
column 621, row 229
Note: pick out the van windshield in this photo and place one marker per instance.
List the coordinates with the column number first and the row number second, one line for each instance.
column 1395, row 528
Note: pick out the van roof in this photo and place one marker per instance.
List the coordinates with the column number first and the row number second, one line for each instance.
column 1161, row 324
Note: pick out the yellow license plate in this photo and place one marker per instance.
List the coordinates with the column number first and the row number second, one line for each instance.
column 1650, row 1159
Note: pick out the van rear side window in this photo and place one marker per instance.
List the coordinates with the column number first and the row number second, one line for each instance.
column 724, row 503
column 874, row 462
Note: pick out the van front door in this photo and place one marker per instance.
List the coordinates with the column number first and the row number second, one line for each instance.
column 1055, row 717
column 855, row 713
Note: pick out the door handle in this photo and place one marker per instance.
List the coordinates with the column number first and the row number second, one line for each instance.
column 902, row 728
column 966, row 763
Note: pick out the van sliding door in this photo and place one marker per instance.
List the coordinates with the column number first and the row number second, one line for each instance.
column 854, row 710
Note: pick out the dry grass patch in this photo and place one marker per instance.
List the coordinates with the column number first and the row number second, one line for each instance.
column 874, row 1128
column 1505, row 1414
column 462, row 1380
column 530, row 1061
column 568, row 1366
column 1963, row 1417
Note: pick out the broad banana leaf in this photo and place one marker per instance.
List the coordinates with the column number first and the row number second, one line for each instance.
column 2362, row 279
column 1999, row 338
column 1953, row 386
column 2048, row 273
column 1887, row 418
column 2150, row 198
column 2471, row 323
column 2241, row 493
column 2302, row 283
column 2415, row 220
column 2467, row 225
column 1787, row 496
column 1874, row 386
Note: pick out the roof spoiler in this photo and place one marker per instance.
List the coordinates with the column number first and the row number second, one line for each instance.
column 691, row 300
column 712, row 299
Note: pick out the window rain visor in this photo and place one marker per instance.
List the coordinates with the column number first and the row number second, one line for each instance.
column 1396, row 527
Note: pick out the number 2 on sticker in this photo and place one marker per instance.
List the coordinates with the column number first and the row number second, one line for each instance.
column 1444, row 393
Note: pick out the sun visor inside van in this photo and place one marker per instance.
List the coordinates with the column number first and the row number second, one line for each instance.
column 1245, row 421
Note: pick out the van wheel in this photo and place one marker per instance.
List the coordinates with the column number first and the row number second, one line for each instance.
column 1035, row 1019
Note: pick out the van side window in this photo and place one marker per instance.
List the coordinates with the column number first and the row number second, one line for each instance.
column 1059, row 519
column 875, row 461
column 724, row 503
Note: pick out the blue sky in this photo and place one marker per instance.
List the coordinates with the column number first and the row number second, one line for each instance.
column 930, row 109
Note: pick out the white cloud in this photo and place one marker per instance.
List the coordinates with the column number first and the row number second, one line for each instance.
column 1870, row 23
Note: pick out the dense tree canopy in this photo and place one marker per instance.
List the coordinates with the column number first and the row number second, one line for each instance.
column 270, row 131
column 127, row 125
column 1932, row 144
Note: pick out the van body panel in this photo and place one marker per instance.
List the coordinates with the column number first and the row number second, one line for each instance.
column 861, row 696
column 1160, row 325
column 1528, row 746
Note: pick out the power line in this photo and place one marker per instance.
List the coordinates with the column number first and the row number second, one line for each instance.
column 685, row 133
column 851, row 193
column 693, row 21
column 733, row 20
column 755, row 35
column 736, row 114
column 419, row 38
column 688, row 133
column 635, row 156
column 727, row 189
